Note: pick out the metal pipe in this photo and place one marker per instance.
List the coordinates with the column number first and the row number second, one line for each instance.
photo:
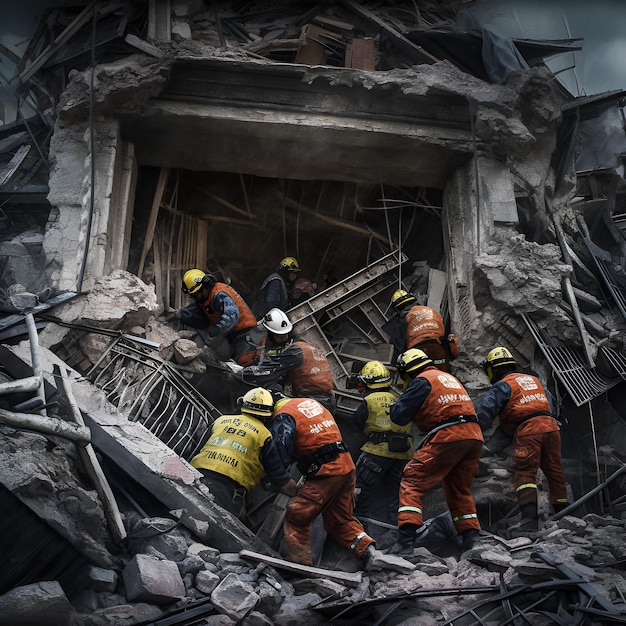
column 47, row 425
column 572, row 507
column 34, row 354
column 18, row 386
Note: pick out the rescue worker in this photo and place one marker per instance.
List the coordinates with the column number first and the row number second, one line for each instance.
column 220, row 310
column 286, row 361
column 275, row 292
column 438, row 404
column 526, row 412
column 239, row 451
column 388, row 446
column 424, row 329
column 306, row 432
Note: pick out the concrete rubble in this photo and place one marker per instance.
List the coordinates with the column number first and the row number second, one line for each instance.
column 511, row 245
column 181, row 561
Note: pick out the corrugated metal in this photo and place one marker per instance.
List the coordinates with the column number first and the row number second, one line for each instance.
column 568, row 363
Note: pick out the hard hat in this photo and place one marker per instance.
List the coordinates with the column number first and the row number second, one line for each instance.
column 194, row 280
column 375, row 375
column 413, row 361
column 401, row 298
column 280, row 404
column 257, row 401
column 289, row 263
column 498, row 357
column 277, row 322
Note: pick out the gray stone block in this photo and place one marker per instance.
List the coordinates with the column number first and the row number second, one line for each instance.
column 150, row 580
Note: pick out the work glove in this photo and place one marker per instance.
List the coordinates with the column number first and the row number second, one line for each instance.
column 171, row 315
column 235, row 368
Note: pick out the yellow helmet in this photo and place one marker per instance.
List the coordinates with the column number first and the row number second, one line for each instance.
column 258, row 402
column 413, row 361
column 401, row 298
column 375, row 375
column 193, row 280
column 498, row 357
column 289, row 263
column 280, row 404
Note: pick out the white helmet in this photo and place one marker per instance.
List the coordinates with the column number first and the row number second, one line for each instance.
column 277, row 322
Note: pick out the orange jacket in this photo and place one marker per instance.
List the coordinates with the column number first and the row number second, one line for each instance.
column 315, row 427
column 528, row 400
column 314, row 374
column 422, row 324
column 246, row 317
column 432, row 398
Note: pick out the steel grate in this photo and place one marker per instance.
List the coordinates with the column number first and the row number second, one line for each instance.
column 151, row 391
column 612, row 275
column 568, row 363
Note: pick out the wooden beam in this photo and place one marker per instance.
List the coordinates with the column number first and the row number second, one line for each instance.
column 94, row 470
column 415, row 52
column 227, row 204
column 348, row 578
column 13, row 165
column 336, row 222
column 154, row 213
column 144, row 46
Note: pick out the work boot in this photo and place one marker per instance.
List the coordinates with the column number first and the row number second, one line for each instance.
column 469, row 538
column 528, row 525
column 560, row 506
column 406, row 540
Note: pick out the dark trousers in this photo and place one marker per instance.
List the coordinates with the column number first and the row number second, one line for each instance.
column 228, row 494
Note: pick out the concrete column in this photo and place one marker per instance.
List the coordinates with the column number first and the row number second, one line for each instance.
column 476, row 197
column 107, row 221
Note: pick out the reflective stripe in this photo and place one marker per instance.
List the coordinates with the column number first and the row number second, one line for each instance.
column 527, row 486
column 462, row 517
column 561, row 500
column 358, row 538
column 412, row 509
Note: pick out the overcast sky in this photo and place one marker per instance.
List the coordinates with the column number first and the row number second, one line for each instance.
column 600, row 66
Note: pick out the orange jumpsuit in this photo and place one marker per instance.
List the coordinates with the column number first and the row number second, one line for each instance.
column 448, row 456
column 523, row 406
column 425, row 330
column 306, row 432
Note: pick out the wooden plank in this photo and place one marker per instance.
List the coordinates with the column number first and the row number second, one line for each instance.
column 13, row 165
column 144, row 46
column 201, row 244
column 154, row 213
column 311, row 50
column 361, row 54
column 416, row 53
column 62, row 38
column 158, row 272
column 94, row 470
column 352, row 579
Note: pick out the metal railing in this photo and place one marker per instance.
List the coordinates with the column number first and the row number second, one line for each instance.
column 151, row 391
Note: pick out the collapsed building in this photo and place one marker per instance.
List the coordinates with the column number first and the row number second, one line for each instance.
column 384, row 148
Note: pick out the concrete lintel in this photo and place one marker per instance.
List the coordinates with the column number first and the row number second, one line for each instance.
column 291, row 144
